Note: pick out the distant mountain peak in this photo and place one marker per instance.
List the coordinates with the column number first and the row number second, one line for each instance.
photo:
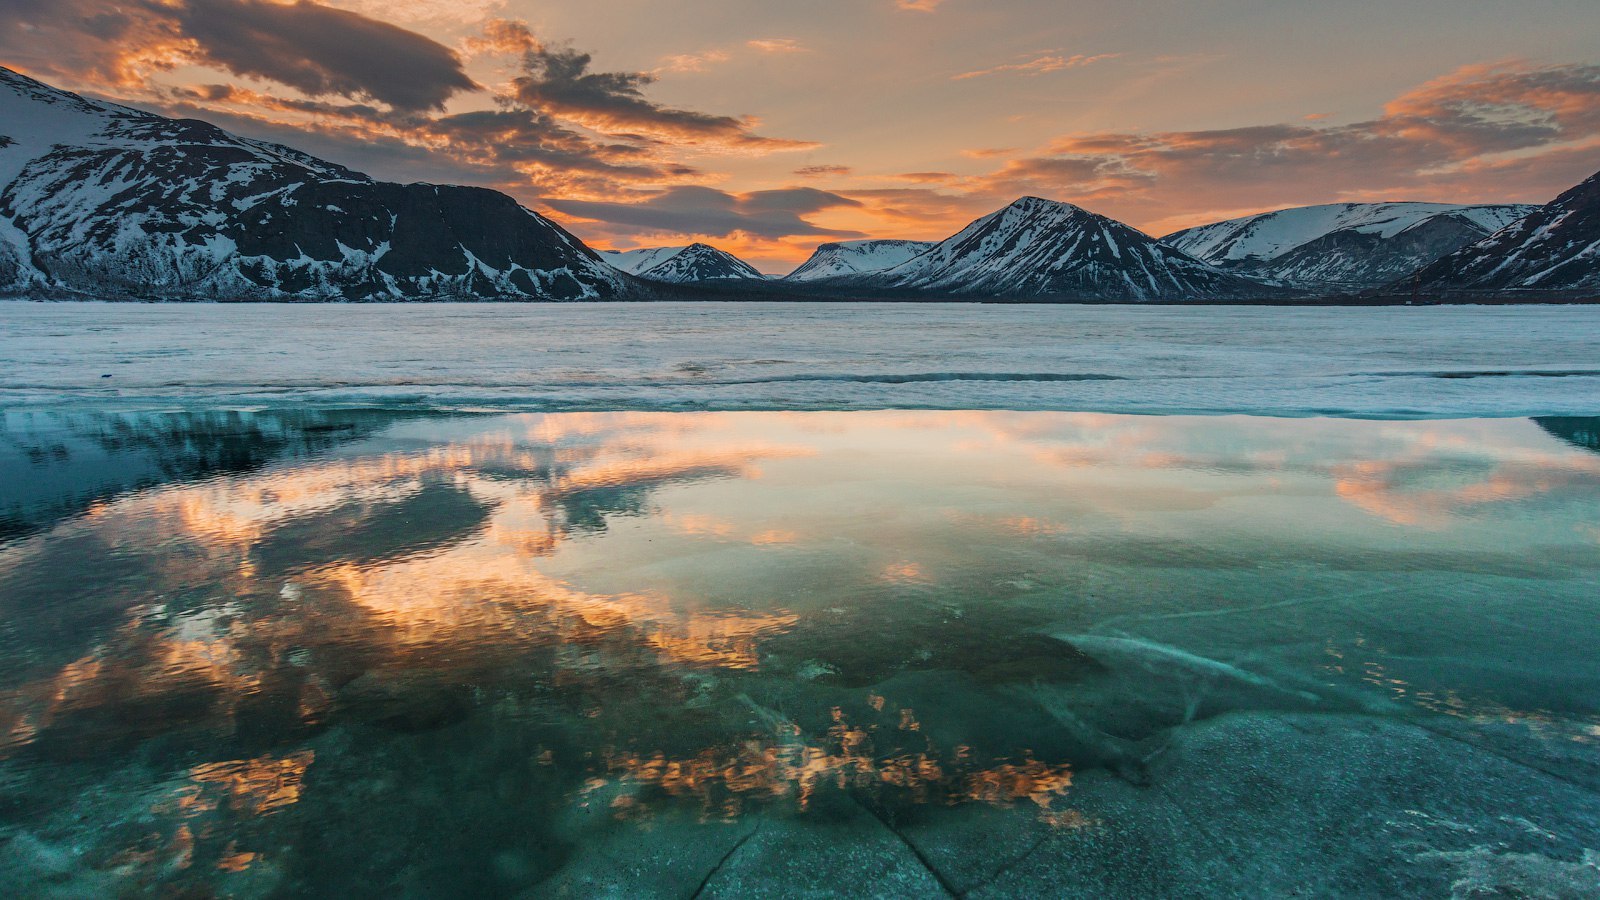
column 845, row 259
column 1033, row 202
column 635, row 261
column 700, row 262
column 1040, row 248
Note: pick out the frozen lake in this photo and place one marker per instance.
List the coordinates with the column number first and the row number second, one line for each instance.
column 1376, row 362
column 743, row 601
column 898, row 653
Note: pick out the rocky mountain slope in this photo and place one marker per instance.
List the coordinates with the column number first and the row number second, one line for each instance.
column 101, row 200
column 1343, row 245
column 1038, row 249
column 1555, row 248
column 848, row 258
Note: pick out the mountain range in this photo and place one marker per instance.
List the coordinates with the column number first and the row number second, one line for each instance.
column 105, row 201
column 683, row 265
column 1046, row 249
column 1343, row 245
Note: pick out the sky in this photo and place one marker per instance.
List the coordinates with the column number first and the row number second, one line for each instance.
column 768, row 128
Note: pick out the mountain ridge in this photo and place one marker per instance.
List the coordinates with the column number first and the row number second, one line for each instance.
column 1343, row 245
column 1555, row 248
column 1035, row 248
column 103, row 200
column 842, row 259
column 635, row 261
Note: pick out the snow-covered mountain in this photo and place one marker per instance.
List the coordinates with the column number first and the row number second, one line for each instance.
column 635, row 261
column 1555, row 248
column 1343, row 245
column 846, row 258
column 105, row 201
column 1045, row 249
column 700, row 262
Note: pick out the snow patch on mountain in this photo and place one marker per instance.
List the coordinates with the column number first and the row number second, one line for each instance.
column 635, row 261
column 846, row 258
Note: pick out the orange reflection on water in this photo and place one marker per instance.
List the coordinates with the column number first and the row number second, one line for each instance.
column 478, row 591
column 672, row 466
column 259, row 786
column 237, row 512
column 784, row 766
column 1380, row 485
column 904, row 572
column 1374, row 487
column 1541, row 723
column 488, row 591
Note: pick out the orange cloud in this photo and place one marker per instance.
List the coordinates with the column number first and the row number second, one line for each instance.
column 1534, row 128
column 988, row 152
column 693, row 62
column 1039, row 65
column 777, row 45
column 501, row 36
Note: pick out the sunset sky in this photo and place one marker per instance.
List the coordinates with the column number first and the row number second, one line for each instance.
column 767, row 128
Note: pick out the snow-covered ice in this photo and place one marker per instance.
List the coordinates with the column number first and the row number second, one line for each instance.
column 1434, row 362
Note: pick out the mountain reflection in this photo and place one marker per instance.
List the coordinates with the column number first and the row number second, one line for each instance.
column 722, row 616
column 1579, row 431
column 56, row 464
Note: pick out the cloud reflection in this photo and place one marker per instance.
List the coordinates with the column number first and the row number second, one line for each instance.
column 607, row 593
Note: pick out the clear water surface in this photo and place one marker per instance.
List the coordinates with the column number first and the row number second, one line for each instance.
column 300, row 651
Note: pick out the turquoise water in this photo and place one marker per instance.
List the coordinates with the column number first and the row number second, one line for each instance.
column 758, row 653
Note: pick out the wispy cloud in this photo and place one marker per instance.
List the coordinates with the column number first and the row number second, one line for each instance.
column 560, row 81
column 918, row 5
column 777, row 45
column 1039, row 65
column 988, row 152
column 822, row 171
column 693, row 62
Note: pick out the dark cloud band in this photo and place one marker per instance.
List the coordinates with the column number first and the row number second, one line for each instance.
column 316, row 49
column 321, row 50
column 707, row 211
